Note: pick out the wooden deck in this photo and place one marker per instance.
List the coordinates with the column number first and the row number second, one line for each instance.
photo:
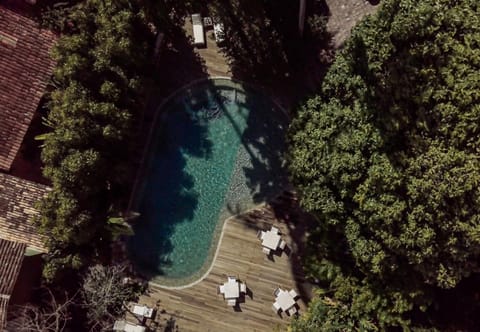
column 215, row 62
column 199, row 308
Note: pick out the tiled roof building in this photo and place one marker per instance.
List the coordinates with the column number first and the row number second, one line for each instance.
column 17, row 233
column 17, row 201
column 12, row 254
column 25, row 68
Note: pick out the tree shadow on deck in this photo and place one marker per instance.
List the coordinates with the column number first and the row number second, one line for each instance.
column 263, row 44
column 163, row 320
column 178, row 65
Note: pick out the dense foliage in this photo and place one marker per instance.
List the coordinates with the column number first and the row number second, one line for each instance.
column 101, row 77
column 386, row 156
column 325, row 314
column 105, row 294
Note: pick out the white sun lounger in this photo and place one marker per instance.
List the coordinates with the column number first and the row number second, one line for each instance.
column 142, row 311
column 198, row 31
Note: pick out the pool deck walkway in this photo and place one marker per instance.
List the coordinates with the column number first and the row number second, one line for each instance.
column 199, row 308
column 216, row 64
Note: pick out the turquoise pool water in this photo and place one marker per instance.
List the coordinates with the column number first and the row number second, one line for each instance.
column 208, row 159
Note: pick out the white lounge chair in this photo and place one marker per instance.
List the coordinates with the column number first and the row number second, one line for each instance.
column 142, row 311
column 277, row 291
column 293, row 294
column 219, row 32
column 260, row 234
column 207, row 22
column 149, row 313
column 243, row 287
column 292, row 311
column 276, row 307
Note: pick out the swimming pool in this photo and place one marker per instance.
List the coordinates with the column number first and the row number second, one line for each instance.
column 216, row 150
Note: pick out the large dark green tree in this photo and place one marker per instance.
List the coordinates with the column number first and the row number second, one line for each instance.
column 101, row 77
column 386, row 156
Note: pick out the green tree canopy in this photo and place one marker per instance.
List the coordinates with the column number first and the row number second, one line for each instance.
column 386, row 155
column 103, row 67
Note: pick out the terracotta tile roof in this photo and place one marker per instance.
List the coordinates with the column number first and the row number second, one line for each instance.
column 3, row 311
column 11, row 258
column 25, row 67
column 17, row 201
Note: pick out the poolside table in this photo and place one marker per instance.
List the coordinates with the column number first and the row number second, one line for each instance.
column 271, row 240
column 285, row 300
column 231, row 289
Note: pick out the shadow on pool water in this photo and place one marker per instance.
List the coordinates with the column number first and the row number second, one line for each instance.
column 264, row 140
column 170, row 190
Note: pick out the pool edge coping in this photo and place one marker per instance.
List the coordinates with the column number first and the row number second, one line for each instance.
column 144, row 157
